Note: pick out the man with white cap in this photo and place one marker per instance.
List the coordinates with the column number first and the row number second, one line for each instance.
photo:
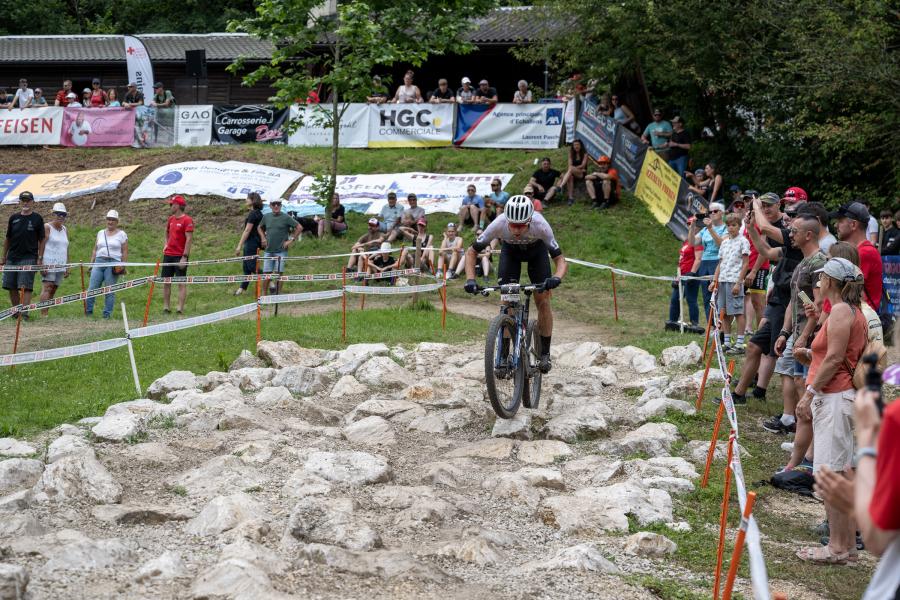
column 385, row 261
column 367, row 241
column 56, row 252
column 466, row 94
column 24, row 245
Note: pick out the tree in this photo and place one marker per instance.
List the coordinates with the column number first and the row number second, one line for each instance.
column 338, row 53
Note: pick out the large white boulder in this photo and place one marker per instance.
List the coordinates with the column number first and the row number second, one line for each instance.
column 172, row 382
column 382, row 373
column 288, row 353
column 682, row 356
column 354, row 468
column 13, row 448
column 19, row 473
column 224, row 513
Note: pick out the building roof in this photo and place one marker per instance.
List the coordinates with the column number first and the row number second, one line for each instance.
column 509, row 25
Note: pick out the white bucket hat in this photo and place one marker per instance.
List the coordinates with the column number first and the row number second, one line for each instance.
column 113, row 214
column 59, row 207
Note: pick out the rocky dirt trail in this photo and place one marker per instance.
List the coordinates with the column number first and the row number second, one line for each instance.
column 371, row 472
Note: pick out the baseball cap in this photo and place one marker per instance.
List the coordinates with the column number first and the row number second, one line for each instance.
column 770, row 198
column 842, row 270
column 734, row 188
column 677, row 119
column 422, row 221
column 71, row 96
column 451, row 225
column 88, row 90
column 699, row 173
column 95, row 80
column 603, row 159
column 795, row 194
column 851, row 210
column 158, row 84
column 392, row 195
column 750, row 194
column 59, row 207
column 386, row 247
column 483, row 82
column 466, row 80
column 113, row 214
column 373, row 221
column 26, row 196
column 275, row 201
column 180, row 200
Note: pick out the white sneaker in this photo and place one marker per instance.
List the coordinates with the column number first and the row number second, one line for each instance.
column 787, row 446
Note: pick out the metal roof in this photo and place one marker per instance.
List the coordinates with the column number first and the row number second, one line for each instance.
column 510, row 25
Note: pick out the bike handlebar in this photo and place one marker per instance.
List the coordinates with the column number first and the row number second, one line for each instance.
column 511, row 288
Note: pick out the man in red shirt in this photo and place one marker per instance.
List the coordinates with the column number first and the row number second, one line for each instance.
column 609, row 185
column 852, row 220
column 179, row 237
column 62, row 96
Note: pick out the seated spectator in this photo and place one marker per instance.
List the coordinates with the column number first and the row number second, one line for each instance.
column 39, row 100
column 378, row 93
column 497, row 195
column 472, row 205
column 113, row 97
column 678, row 146
column 450, row 254
column 337, row 221
column 623, row 115
column 385, row 261
column 528, row 190
column 86, row 97
column 657, row 134
column 422, row 244
column 610, row 188
column 543, row 181
column 62, row 96
column 23, row 97
column 485, row 94
column 133, row 96
column 443, row 93
column 367, row 241
column 485, row 258
column 162, row 98
column 73, row 100
column 488, row 213
column 411, row 216
column 408, row 93
column 699, row 183
column 578, row 161
column 735, row 190
column 5, row 100
column 466, row 94
column 390, row 217
column 523, row 94
column 98, row 98
column 890, row 236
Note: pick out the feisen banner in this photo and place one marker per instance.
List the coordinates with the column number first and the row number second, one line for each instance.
column 140, row 69
column 31, row 126
column 526, row 126
column 312, row 133
column 410, row 125
column 231, row 179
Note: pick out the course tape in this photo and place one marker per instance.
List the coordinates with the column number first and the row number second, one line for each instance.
column 390, row 291
column 304, row 297
column 77, row 297
column 618, row 271
column 7, row 360
column 222, row 315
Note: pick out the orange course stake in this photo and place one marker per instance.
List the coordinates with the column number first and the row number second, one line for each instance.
column 344, row 304
column 723, row 519
column 83, row 300
column 708, row 363
column 150, row 294
column 715, row 434
column 615, row 297
column 739, row 546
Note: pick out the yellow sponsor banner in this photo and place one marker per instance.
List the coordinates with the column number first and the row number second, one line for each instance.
column 49, row 187
column 657, row 186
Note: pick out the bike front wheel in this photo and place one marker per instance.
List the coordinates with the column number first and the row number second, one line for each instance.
column 532, row 396
column 504, row 372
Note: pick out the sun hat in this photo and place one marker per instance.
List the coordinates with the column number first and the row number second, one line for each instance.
column 59, row 207
column 113, row 214
column 386, row 247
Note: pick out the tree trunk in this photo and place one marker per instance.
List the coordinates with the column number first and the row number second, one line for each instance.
column 335, row 142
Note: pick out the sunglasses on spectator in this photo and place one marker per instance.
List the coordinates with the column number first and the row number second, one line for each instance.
column 715, row 211
column 61, row 215
column 791, row 214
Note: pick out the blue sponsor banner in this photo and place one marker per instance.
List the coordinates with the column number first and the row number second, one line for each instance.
column 891, row 273
column 628, row 156
column 467, row 118
column 596, row 132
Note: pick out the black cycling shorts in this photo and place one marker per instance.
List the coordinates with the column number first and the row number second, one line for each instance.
column 513, row 255
column 767, row 334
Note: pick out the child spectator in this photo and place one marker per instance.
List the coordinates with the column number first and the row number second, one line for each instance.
column 734, row 257
column 113, row 97
column 385, row 261
column 450, row 253
column 466, row 94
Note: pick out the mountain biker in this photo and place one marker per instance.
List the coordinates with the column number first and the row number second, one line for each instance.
column 525, row 236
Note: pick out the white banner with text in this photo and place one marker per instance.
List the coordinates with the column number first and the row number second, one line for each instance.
column 316, row 126
column 230, row 179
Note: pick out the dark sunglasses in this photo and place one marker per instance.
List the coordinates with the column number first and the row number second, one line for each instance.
column 790, row 215
column 715, row 211
column 61, row 215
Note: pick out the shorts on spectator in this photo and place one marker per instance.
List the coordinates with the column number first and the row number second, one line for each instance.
column 274, row 261
column 733, row 305
column 54, row 278
column 768, row 332
column 800, row 370
column 832, row 417
column 759, row 283
column 18, row 280
column 382, row 227
column 786, row 365
column 170, row 267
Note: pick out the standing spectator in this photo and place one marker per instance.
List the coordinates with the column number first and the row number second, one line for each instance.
column 829, row 395
column 411, row 216
column 280, row 231
column 133, row 96
column 872, row 225
column 623, row 115
column 338, row 218
column 371, row 239
column 99, row 98
column 497, row 195
column 379, row 93
column 251, row 239
column 757, row 280
column 709, row 183
column 56, row 252
column 62, row 96
column 734, row 255
column 176, row 254
column 485, row 94
column 408, row 93
column 852, row 220
column 86, row 97
column 608, row 178
column 24, row 245
column 679, row 145
column 578, row 161
column 795, row 195
column 466, row 94
column 543, row 181
column 113, row 97
column 890, row 236
column 657, row 134
column 24, row 96
column 111, row 246
column 710, row 237
column 390, row 217
column 5, row 99
column 522, row 94
column 443, row 94
column 450, row 254
column 818, row 210
column 689, row 258
column 73, row 100
column 162, row 98
column 39, row 100
column 471, row 209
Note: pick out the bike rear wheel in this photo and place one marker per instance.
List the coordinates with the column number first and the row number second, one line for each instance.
column 503, row 374
column 532, row 396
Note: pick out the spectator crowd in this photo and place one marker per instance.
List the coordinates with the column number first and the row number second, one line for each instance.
column 93, row 97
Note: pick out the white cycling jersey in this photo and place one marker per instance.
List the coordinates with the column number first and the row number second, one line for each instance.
column 539, row 230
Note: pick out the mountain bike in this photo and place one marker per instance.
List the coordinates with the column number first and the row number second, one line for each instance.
column 512, row 352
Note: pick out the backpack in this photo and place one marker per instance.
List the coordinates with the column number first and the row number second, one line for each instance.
column 799, row 480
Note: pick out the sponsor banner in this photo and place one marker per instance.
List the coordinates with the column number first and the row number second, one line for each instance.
column 154, row 127
column 69, row 351
column 53, row 187
column 436, row 192
column 31, row 126
column 628, row 156
column 657, row 187
column 314, row 130
column 249, row 123
column 193, row 125
column 140, row 69
column 891, row 268
column 410, row 125
column 526, row 126
column 688, row 204
column 92, row 127
column 597, row 132
column 230, row 179
column 180, row 324
column 569, row 119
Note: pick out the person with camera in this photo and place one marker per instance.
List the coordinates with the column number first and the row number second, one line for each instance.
column 710, row 237
column 688, row 263
column 110, row 247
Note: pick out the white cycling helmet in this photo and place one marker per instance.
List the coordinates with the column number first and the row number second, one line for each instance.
column 519, row 209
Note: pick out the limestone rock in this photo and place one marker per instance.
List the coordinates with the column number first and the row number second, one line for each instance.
column 654, row 439
column 318, row 519
column 78, row 477
column 13, row 582
column 543, row 452
column 401, row 410
column 442, row 421
column 301, row 484
column 260, row 556
column 383, row 373
column 517, row 428
column 579, row 356
column 574, row 515
column 224, row 513
column 682, row 356
column 682, row 387
column 15, row 449
column 497, row 449
column 224, row 396
column 595, row 468
column 658, row 406
column 646, row 505
column 168, row 565
column 387, row 564
column 662, row 466
column 252, row 379
column 301, row 381
column 645, row 543
column 673, row 485
column 233, row 578
column 288, row 353
column 246, row 359
column 366, row 351
column 218, row 476
column 354, row 468
column 447, row 473
column 348, row 386
column 583, row 557
column 584, row 422
column 643, row 363
column 118, row 427
column 19, row 473
column 424, row 510
column 473, row 549
column 605, row 375
column 151, row 453
column 15, row 503
column 371, row 431
column 131, row 514
column 698, row 449
column 173, row 381
column 20, row 524
column 315, row 410
column 87, row 555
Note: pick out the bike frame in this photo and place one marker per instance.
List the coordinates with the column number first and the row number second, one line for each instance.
column 520, row 310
